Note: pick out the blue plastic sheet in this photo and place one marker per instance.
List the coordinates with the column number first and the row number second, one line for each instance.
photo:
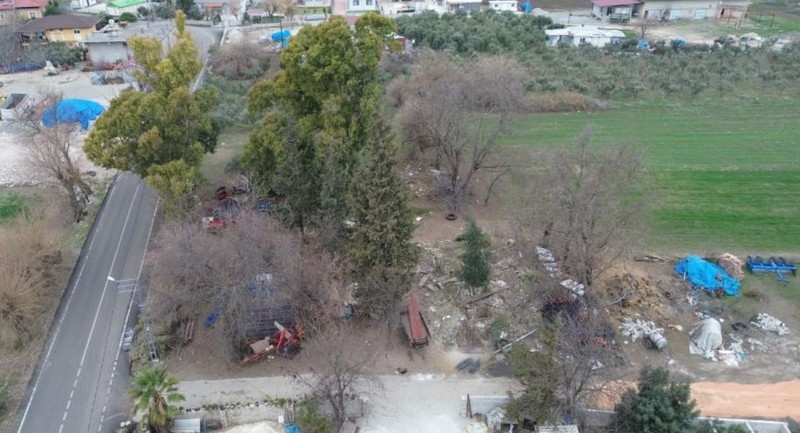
column 72, row 111
column 291, row 428
column 707, row 275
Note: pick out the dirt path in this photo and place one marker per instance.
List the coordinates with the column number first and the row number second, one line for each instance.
column 772, row 400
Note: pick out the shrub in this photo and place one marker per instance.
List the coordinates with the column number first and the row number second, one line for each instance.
column 128, row 17
column 11, row 205
column 29, row 252
column 311, row 421
column 60, row 54
column 165, row 12
column 143, row 11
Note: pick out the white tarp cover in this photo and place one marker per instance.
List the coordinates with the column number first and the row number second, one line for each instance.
column 705, row 338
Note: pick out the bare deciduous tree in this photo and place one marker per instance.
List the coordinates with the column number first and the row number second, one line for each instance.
column 459, row 113
column 587, row 360
column 55, row 153
column 238, row 59
column 591, row 204
column 193, row 272
column 342, row 369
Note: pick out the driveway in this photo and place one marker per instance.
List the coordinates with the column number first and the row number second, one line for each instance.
column 429, row 403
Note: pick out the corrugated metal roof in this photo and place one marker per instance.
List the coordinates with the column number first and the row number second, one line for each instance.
column 606, row 3
column 558, row 429
column 185, row 425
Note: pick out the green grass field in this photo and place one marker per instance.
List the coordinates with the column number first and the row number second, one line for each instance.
column 727, row 174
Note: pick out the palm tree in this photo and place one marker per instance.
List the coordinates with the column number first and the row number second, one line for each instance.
column 153, row 394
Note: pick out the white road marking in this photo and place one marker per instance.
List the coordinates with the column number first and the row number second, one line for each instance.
column 110, row 269
column 100, row 304
column 130, row 305
column 61, row 321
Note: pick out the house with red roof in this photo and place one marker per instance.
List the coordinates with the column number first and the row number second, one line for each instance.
column 21, row 10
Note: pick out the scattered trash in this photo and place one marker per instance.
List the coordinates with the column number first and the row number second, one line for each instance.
column 573, row 285
column 739, row 326
column 769, row 323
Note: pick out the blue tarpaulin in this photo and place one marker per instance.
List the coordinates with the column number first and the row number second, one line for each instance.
column 281, row 36
column 707, row 275
column 72, row 111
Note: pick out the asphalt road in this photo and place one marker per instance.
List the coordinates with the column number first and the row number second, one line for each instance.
column 81, row 380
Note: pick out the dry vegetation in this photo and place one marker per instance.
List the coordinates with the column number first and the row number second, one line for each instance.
column 453, row 114
column 30, row 284
column 193, row 271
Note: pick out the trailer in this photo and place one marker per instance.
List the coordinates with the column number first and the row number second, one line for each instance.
column 413, row 322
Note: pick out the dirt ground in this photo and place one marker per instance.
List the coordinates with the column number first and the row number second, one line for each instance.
column 72, row 84
column 760, row 386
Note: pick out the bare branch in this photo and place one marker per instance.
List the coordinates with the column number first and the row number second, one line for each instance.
column 459, row 113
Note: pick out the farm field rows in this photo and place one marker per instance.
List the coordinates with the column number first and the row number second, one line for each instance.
column 726, row 173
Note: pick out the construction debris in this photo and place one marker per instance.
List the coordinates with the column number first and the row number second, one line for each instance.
column 770, row 323
column 637, row 328
column 549, row 262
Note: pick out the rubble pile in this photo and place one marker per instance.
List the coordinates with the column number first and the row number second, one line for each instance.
column 732, row 265
column 628, row 295
column 769, row 323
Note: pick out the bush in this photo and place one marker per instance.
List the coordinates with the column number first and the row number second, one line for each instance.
column 311, row 421
column 143, row 11
column 29, row 253
column 11, row 205
column 60, row 54
column 128, row 17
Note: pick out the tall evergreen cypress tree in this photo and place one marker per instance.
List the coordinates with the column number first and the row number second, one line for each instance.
column 333, row 203
column 297, row 178
column 380, row 244
column 475, row 268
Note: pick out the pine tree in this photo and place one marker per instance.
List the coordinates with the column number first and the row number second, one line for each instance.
column 380, row 244
column 660, row 406
column 538, row 371
column 475, row 268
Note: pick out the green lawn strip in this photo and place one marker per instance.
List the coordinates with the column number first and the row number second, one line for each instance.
column 727, row 174
column 214, row 165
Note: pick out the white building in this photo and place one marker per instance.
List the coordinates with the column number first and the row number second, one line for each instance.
column 670, row 10
column 583, row 35
column 359, row 7
column 503, row 5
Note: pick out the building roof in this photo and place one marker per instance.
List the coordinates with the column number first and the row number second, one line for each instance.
column 53, row 22
column 606, row 3
column 125, row 3
column 20, row 4
column 116, row 33
column 586, row 32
